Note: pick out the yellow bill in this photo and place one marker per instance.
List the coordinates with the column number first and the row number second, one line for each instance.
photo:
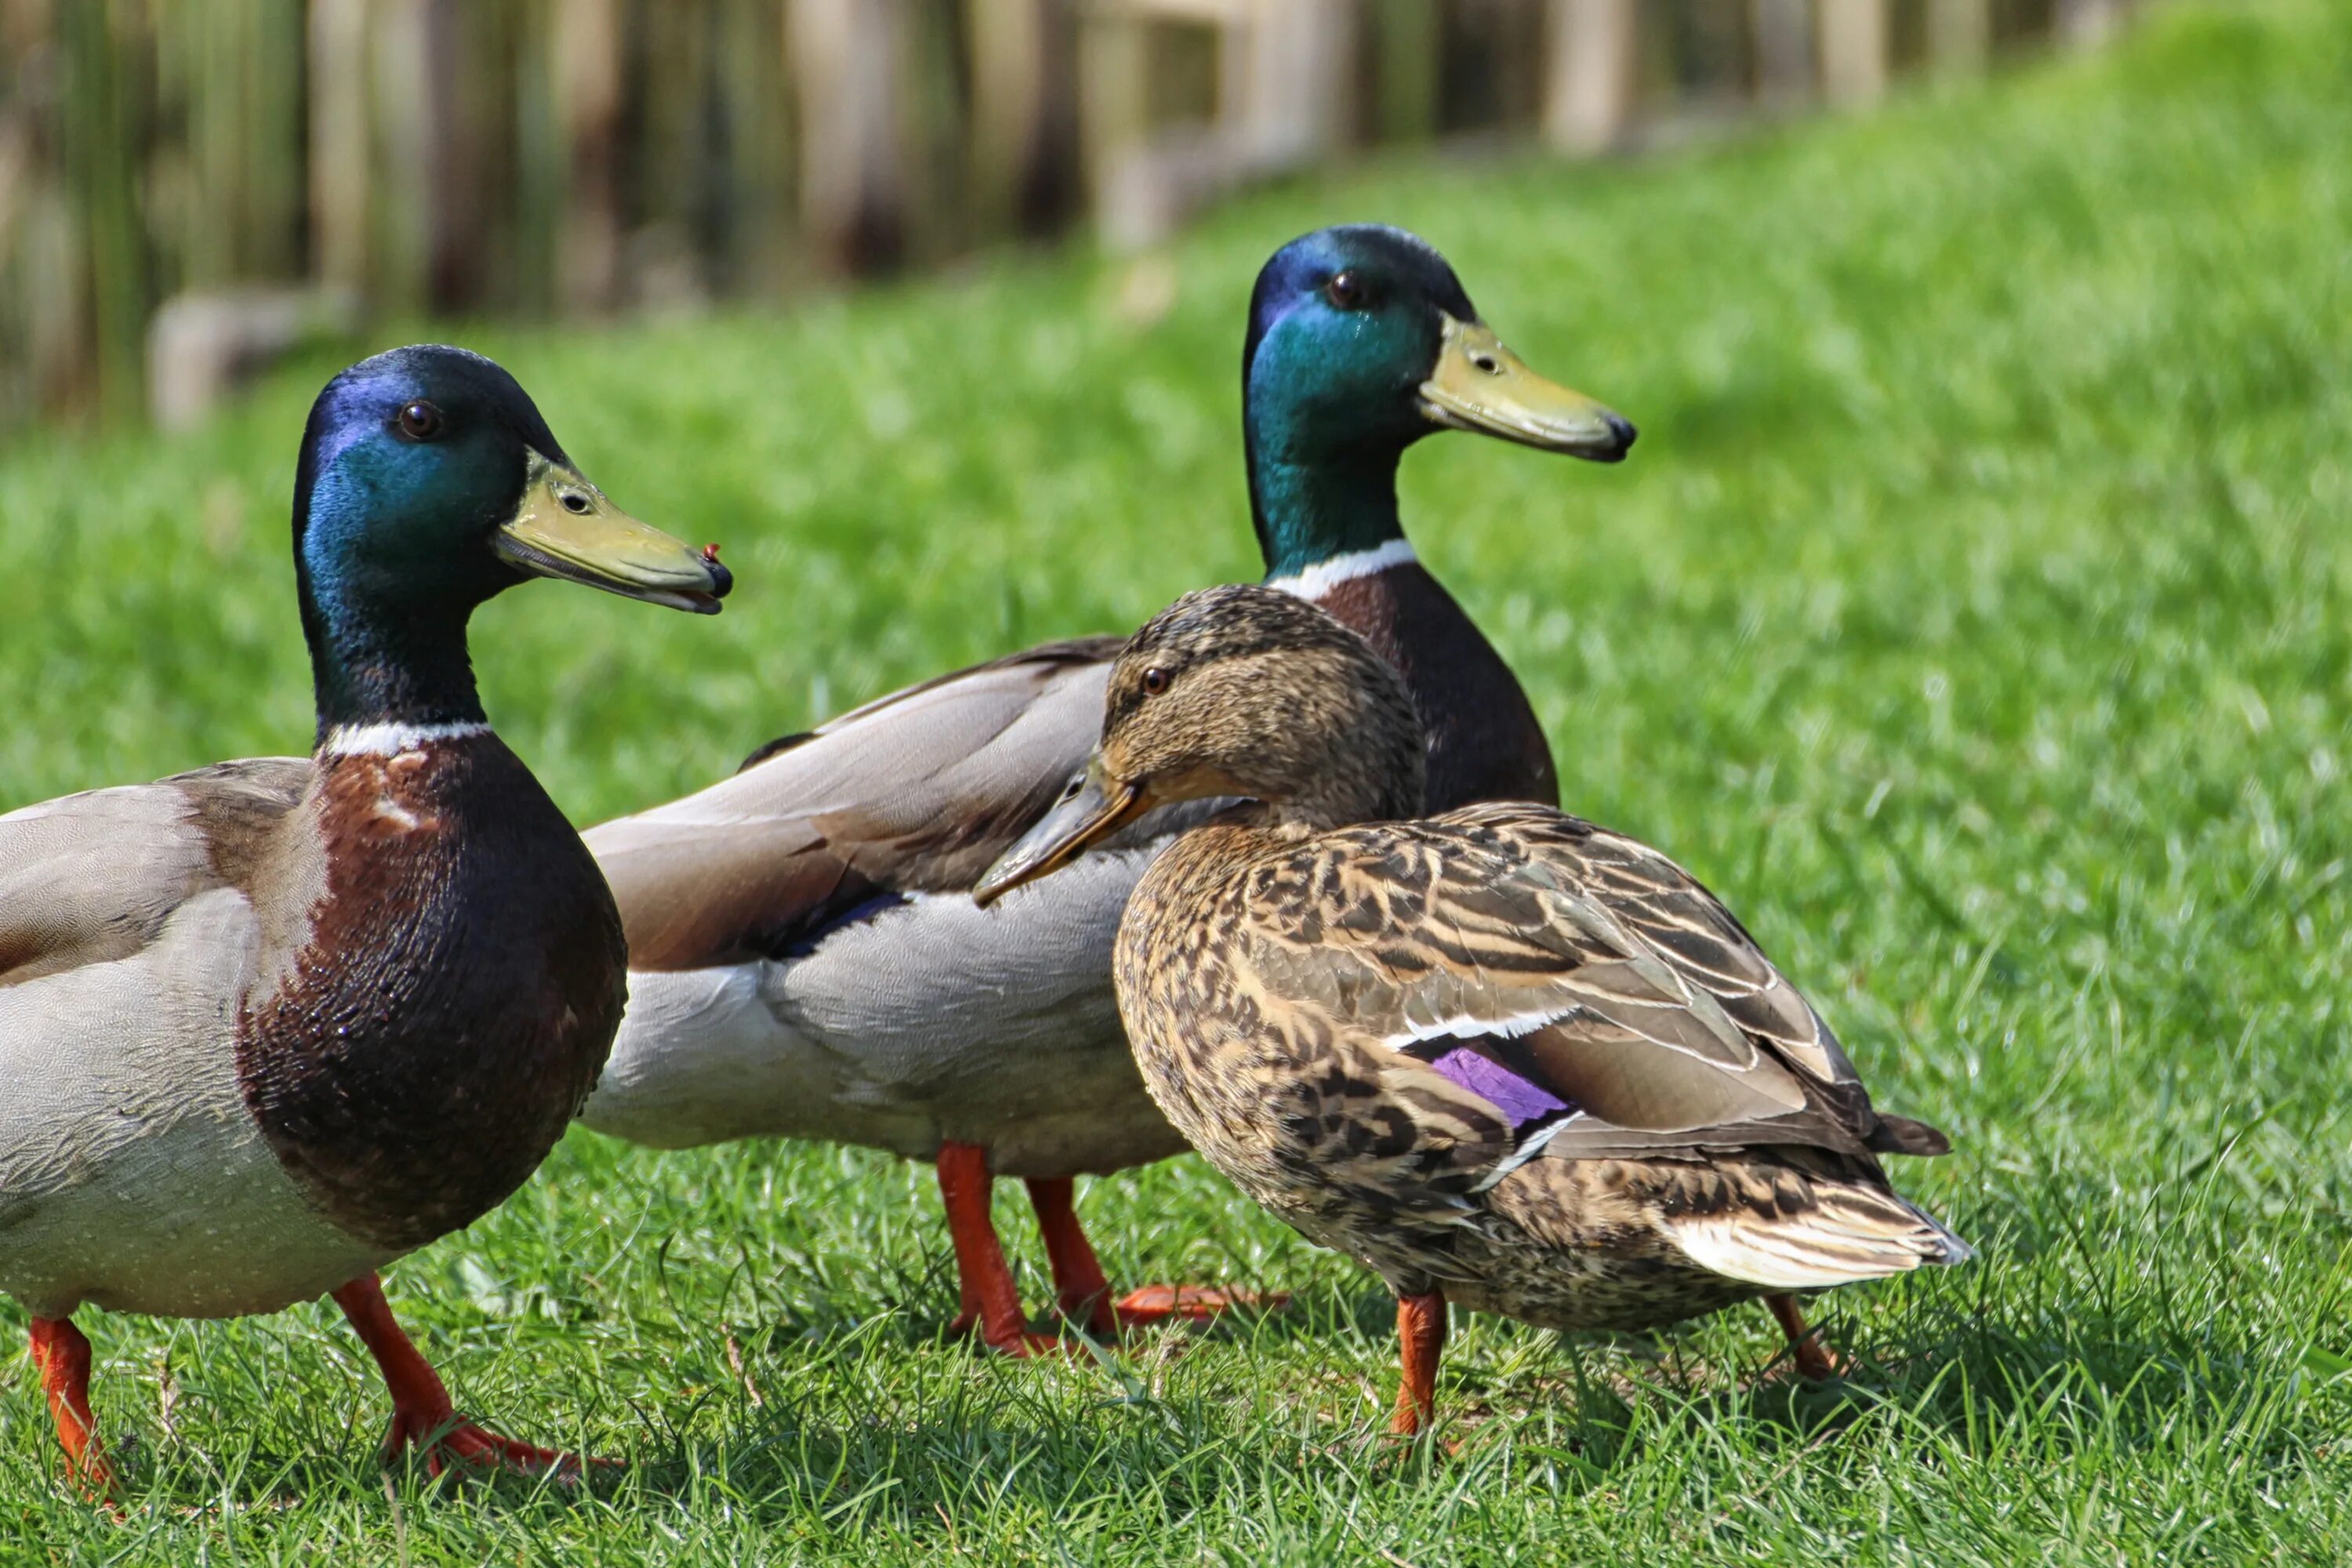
column 565, row 528
column 1481, row 386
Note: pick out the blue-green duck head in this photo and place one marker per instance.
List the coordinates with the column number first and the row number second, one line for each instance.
column 428, row 476
column 427, row 483
column 1362, row 341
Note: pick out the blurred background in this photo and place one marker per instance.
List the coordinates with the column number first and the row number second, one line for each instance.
column 189, row 190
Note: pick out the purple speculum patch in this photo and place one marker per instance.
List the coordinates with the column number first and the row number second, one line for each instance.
column 1514, row 1096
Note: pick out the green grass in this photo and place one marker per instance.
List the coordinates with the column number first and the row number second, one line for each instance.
column 1976, row 615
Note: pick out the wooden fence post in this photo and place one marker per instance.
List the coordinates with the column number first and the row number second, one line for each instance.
column 1588, row 98
column 1408, row 37
column 1784, row 49
column 1853, row 51
column 1114, row 80
column 101, row 166
column 844, row 58
column 1285, row 85
column 586, row 51
column 340, row 159
column 1023, row 115
column 398, row 252
column 755, row 100
column 2084, row 23
column 1960, row 36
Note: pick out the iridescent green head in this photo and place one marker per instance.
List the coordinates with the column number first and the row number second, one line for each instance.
column 427, row 483
column 1361, row 342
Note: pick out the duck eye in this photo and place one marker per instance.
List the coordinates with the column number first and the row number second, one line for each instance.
column 1155, row 682
column 419, row 421
column 1348, row 290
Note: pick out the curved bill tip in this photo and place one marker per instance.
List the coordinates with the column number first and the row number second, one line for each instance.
column 1478, row 385
column 564, row 528
column 1090, row 808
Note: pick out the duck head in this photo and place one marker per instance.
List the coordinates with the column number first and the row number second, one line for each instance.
column 1361, row 342
column 1238, row 691
column 427, row 483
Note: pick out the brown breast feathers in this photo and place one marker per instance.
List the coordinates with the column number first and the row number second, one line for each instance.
column 417, row 1047
column 1484, row 743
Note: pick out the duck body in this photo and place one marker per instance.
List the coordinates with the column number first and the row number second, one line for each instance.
column 807, row 961
column 1381, row 1034
column 806, row 957
column 270, row 1025
column 317, row 1056
column 1504, row 1058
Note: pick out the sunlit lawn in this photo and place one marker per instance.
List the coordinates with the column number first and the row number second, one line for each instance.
column 1974, row 616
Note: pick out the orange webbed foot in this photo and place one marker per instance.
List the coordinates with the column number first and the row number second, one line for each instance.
column 422, row 1415
column 449, row 1439
column 1196, row 1303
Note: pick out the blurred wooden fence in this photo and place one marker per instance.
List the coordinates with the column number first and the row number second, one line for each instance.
column 269, row 165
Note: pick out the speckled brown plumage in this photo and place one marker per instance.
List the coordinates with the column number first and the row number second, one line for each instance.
column 1500, row 1053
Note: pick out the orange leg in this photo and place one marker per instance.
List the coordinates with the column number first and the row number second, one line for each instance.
column 1421, row 1341
column 422, row 1415
column 983, row 1277
column 1079, row 1287
column 1814, row 1360
column 61, row 1352
column 1085, row 1294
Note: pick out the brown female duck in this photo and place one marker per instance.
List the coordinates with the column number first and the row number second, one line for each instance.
column 1502, row 1057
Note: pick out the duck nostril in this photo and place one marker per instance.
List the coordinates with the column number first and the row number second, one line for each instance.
column 1487, row 364
column 575, row 503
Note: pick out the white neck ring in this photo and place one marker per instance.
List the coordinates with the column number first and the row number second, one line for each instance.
column 1326, row 575
column 389, row 739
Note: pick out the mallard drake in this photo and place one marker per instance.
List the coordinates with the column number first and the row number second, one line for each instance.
column 806, row 959
column 267, row 1025
column 1499, row 1056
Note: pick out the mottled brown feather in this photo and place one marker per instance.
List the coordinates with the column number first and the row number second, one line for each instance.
column 1302, row 979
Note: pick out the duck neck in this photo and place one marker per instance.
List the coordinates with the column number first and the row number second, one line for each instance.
column 1378, row 779
column 1310, row 513
column 373, row 664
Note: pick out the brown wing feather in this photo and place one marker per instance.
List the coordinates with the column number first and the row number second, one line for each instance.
column 1585, row 962
column 918, row 792
column 91, row 878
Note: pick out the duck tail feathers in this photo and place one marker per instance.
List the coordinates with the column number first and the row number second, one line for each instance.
column 1847, row 1232
column 1901, row 1135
